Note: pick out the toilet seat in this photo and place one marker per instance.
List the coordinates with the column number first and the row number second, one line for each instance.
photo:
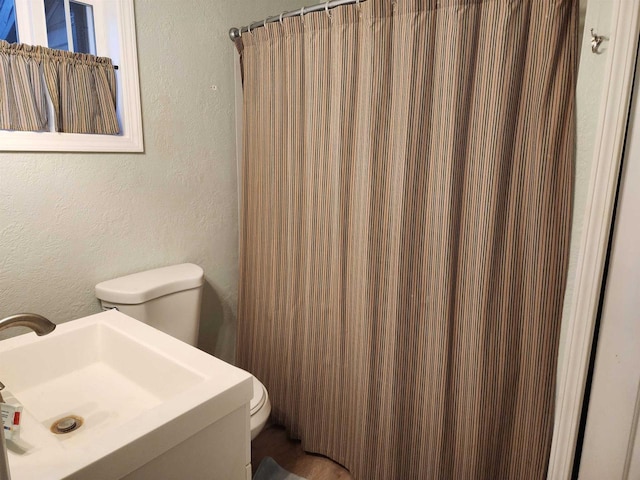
column 259, row 397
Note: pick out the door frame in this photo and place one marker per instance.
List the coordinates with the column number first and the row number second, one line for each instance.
column 614, row 398
column 607, row 156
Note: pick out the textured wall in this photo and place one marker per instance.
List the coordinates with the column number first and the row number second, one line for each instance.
column 69, row 221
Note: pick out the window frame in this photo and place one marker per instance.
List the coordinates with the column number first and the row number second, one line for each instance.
column 112, row 19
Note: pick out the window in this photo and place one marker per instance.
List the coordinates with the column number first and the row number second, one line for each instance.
column 81, row 18
column 70, row 26
column 8, row 29
column 100, row 27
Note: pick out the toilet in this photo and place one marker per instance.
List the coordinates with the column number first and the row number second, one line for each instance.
column 169, row 299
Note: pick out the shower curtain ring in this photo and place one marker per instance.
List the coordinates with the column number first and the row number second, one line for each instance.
column 280, row 19
column 302, row 15
column 249, row 28
column 326, row 9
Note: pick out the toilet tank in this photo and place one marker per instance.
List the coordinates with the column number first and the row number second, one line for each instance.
column 166, row 298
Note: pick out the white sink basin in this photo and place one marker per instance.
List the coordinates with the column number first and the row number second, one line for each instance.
column 132, row 385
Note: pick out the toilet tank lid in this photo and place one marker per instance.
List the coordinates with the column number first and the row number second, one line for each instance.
column 144, row 286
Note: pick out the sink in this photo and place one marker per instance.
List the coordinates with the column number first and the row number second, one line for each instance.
column 137, row 392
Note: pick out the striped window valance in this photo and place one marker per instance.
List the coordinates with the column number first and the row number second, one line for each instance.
column 82, row 89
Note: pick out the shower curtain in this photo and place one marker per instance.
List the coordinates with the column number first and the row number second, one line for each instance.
column 406, row 198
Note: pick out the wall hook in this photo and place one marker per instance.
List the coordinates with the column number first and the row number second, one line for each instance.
column 596, row 40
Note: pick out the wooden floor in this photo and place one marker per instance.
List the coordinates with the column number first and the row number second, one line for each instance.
column 273, row 442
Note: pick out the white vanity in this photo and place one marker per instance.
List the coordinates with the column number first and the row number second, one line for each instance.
column 149, row 405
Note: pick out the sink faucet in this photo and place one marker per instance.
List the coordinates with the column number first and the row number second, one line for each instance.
column 35, row 322
column 41, row 326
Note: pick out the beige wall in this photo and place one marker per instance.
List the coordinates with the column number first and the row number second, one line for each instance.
column 69, row 221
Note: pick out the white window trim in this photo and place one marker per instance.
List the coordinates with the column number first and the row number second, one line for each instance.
column 129, row 107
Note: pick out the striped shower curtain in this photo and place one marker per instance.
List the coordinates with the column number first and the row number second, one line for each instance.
column 406, row 198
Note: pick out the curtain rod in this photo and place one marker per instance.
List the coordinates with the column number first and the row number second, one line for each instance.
column 237, row 32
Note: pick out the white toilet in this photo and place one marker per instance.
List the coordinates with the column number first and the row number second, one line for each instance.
column 168, row 299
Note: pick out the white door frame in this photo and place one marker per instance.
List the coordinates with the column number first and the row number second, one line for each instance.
column 614, row 398
column 608, row 148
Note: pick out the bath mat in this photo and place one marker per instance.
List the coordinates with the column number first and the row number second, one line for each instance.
column 270, row 470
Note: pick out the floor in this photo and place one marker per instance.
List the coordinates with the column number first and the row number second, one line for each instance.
column 273, row 442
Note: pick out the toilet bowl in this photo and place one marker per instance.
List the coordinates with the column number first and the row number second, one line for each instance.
column 159, row 297
column 260, row 408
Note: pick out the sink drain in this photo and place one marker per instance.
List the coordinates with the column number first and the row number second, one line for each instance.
column 66, row 424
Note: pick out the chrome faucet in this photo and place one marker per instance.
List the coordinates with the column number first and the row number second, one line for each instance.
column 41, row 326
